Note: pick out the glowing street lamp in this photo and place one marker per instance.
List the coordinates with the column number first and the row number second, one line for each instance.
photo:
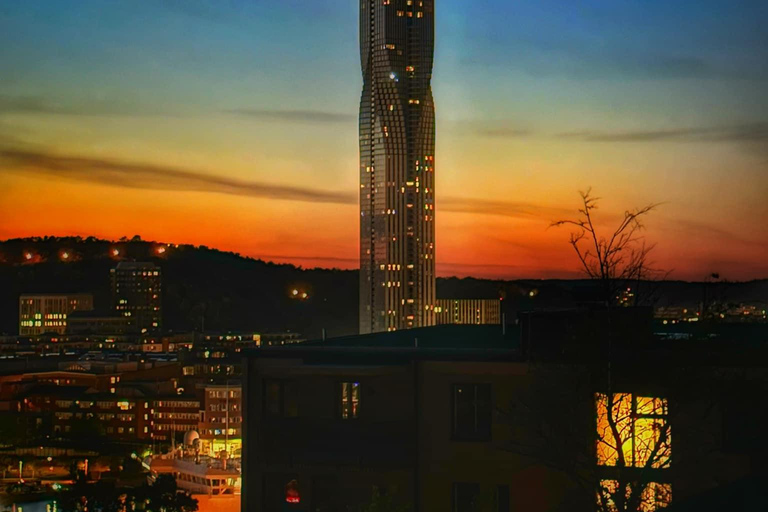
column 115, row 252
column 28, row 256
column 65, row 255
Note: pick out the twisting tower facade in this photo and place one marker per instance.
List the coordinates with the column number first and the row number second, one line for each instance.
column 397, row 165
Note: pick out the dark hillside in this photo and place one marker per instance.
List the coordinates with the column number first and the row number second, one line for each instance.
column 227, row 291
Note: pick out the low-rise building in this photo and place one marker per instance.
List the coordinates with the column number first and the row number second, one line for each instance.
column 48, row 313
column 468, row 311
column 174, row 416
column 87, row 322
column 221, row 419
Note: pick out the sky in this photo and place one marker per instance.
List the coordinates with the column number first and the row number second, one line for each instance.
column 233, row 124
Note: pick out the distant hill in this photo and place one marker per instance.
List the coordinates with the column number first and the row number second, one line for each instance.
column 232, row 292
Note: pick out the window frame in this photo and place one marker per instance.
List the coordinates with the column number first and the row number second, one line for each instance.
column 340, row 399
column 471, row 487
column 479, row 435
column 282, row 397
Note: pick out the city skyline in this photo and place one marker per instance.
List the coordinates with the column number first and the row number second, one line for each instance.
column 233, row 125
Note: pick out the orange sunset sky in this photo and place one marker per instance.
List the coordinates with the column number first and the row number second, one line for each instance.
column 233, row 127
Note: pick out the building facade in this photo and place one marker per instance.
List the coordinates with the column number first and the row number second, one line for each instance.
column 83, row 323
column 468, row 311
column 79, row 411
column 174, row 416
column 137, row 294
column 221, row 420
column 397, row 165
column 501, row 429
column 39, row 314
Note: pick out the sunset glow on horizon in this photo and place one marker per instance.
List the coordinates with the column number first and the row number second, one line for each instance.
column 233, row 124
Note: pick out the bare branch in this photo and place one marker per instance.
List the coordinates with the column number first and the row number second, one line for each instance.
column 615, row 260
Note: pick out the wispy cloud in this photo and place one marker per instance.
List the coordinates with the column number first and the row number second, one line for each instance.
column 294, row 116
column 750, row 132
column 503, row 208
column 146, row 176
column 588, row 59
column 501, row 271
column 503, row 132
column 118, row 173
column 24, row 104
column 706, row 231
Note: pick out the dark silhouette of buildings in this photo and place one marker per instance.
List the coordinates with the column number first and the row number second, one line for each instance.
column 397, row 165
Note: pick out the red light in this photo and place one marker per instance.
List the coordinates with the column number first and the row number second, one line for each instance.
column 292, row 492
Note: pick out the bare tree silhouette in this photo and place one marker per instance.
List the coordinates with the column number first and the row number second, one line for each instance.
column 616, row 259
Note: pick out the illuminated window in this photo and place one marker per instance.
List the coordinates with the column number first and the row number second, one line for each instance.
column 653, row 496
column 633, row 431
column 350, row 400
column 471, row 409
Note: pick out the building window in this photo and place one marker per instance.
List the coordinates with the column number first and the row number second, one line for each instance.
column 349, row 400
column 502, row 498
column 280, row 399
column 653, row 496
column 472, row 412
column 465, row 497
column 633, row 431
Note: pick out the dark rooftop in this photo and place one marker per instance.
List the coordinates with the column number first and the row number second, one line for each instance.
column 437, row 337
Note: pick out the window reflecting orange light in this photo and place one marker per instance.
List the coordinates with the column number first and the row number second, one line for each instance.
column 633, row 431
column 653, row 497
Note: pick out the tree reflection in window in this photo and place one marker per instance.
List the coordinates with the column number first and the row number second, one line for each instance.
column 651, row 497
column 633, row 431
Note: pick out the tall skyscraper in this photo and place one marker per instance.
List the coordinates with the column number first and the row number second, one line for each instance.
column 397, row 165
column 137, row 294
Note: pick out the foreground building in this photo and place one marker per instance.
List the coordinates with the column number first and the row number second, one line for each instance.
column 516, row 422
column 397, row 165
